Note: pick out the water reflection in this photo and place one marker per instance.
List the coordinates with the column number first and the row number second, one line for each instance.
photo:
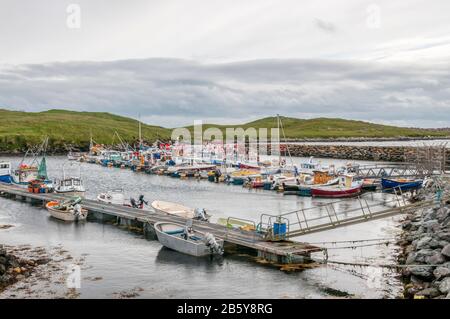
column 125, row 260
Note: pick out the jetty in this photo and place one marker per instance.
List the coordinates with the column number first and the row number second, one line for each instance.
column 277, row 250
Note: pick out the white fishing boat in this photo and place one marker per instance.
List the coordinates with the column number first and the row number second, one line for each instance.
column 70, row 184
column 112, row 197
column 31, row 170
column 5, row 172
column 179, row 210
column 68, row 211
column 186, row 240
column 74, row 156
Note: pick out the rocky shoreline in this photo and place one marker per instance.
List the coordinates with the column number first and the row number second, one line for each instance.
column 425, row 245
column 14, row 268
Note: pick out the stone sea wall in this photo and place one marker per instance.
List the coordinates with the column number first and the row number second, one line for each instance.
column 426, row 253
column 353, row 152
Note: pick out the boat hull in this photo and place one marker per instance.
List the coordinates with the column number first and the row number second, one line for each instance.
column 66, row 216
column 332, row 192
column 173, row 209
column 389, row 184
column 172, row 241
column 6, row 179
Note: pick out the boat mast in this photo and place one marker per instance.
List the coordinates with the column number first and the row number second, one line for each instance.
column 279, row 141
column 140, row 132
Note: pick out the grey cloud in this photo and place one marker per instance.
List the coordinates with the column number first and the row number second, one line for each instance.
column 325, row 25
column 175, row 92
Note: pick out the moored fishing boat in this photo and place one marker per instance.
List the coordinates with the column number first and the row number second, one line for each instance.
column 74, row 156
column 70, row 184
column 186, row 240
column 179, row 210
column 346, row 188
column 5, row 172
column 370, row 185
column 403, row 184
column 112, row 197
column 69, row 210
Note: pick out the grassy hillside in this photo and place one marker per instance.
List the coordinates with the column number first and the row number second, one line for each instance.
column 333, row 128
column 18, row 130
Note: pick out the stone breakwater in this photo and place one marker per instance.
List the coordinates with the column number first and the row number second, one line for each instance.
column 425, row 251
column 356, row 152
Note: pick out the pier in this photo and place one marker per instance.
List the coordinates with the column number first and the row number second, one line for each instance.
column 275, row 251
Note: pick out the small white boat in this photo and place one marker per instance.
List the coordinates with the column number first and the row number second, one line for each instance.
column 69, row 184
column 112, row 197
column 179, row 210
column 72, row 185
column 74, row 156
column 186, row 240
column 68, row 211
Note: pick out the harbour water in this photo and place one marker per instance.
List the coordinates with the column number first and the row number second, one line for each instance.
column 123, row 261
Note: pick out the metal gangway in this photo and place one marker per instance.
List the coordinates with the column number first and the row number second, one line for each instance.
column 410, row 170
column 327, row 216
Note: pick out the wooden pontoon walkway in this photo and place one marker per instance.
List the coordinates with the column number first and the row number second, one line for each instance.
column 144, row 218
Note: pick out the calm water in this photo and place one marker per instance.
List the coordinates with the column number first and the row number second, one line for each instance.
column 416, row 143
column 124, row 260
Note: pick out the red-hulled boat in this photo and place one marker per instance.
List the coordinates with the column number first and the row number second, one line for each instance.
column 346, row 188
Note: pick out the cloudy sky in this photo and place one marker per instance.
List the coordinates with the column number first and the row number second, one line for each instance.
column 175, row 61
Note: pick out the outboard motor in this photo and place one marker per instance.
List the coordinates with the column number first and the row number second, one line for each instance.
column 142, row 201
column 211, row 242
column 133, row 203
column 200, row 214
column 77, row 211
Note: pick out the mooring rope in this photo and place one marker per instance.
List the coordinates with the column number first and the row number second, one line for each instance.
column 347, row 263
column 352, row 241
column 358, row 246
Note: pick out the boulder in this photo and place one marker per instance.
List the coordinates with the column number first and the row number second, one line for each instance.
column 443, row 235
column 444, row 286
column 421, row 271
column 441, row 272
column 435, row 259
column 423, row 242
column 431, row 226
column 443, row 243
column 446, row 251
column 13, row 262
column 421, row 255
column 429, row 292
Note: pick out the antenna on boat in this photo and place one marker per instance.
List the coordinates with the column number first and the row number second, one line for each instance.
column 280, row 125
column 140, row 131
column 279, row 144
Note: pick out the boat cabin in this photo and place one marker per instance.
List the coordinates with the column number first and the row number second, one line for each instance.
column 321, row 177
column 5, row 168
column 72, row 184
column 5, row 172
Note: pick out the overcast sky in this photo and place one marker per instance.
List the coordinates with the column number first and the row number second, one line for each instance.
column 173, row 61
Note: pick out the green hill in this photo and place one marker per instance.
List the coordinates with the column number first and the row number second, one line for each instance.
column 19, row 130
column 334, row 128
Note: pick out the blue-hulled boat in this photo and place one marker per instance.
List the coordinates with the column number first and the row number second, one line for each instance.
column 5, row 172
column 400, row 183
